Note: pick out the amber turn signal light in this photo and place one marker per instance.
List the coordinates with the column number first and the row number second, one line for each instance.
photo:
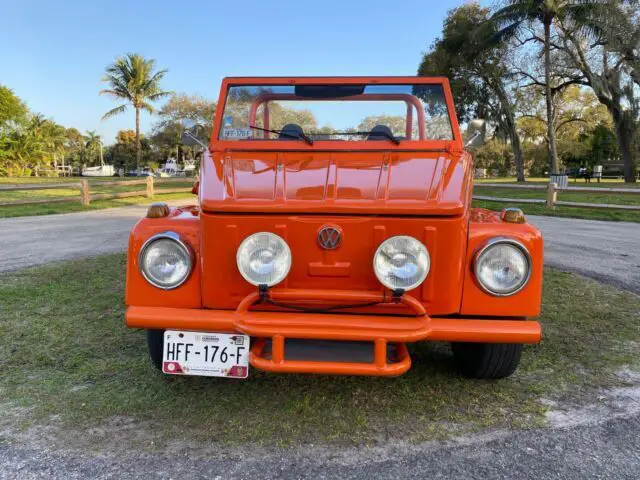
column 158, row 210
column 512, row 215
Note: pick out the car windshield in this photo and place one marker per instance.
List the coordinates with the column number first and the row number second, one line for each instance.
column 308, row 113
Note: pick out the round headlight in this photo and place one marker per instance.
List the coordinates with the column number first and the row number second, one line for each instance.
column 264, row 259
column 165, row 261
column 502, row 267
column 401, row 263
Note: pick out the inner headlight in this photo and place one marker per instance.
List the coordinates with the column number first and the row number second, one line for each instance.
column 264, row 259
column 165, row 261
column 401, row 263
column 502, row 267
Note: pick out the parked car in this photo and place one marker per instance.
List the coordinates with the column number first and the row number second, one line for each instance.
column 143, row 172
column 328, row 245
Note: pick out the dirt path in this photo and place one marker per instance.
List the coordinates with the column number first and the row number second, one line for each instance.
column 29, row 241
column 606, row 251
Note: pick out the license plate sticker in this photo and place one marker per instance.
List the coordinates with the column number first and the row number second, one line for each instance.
column 206, row 354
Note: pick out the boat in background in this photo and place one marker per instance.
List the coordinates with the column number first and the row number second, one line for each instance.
column 99, row 171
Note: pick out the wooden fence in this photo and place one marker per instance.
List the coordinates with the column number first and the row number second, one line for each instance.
column 552, row 195
column 84, row 190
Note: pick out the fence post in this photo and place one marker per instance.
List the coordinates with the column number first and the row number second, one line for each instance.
column 149, row 186
column 552, row 195
column 85, row 195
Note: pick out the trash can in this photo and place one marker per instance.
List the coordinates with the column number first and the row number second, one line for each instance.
column 560, row 179
column 597, row 172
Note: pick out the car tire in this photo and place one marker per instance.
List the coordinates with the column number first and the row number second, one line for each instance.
column 487, row 360
column 155, row 342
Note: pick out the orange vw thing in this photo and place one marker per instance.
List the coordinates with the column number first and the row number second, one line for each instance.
column 333, row 228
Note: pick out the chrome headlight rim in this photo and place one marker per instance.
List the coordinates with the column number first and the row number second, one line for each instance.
column 423, row 277
column 188, row 251
column 286, row 247
column 491, row 243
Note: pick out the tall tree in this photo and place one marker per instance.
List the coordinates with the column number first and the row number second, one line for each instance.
column 12, row 109
column 479, row 74
column 606, row 51
column 123, row 152
column 132, row 78
column 517, row 14
column 181, row 107
column 169, row 131
column 93, row 143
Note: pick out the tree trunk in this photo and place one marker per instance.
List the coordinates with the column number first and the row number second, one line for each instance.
column 517, row 155
column 625, row 134
column 551, row 145
column 510, row 125
column 138, row 148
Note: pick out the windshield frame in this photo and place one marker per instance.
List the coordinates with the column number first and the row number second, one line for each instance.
column 217, row 144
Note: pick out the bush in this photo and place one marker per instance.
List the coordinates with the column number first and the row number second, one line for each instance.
column 494, row 156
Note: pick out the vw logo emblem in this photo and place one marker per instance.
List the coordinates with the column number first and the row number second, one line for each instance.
column 329, row 238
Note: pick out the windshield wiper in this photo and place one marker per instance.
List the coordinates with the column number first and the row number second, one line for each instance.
column 386, row 135
column 297, row 136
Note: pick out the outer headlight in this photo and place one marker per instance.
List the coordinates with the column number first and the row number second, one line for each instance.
column 165, row 261
column 401, row 263
column 502, row 267
column 264, row 259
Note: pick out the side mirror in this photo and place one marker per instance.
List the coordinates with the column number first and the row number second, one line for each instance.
column 189, row 136
column 188, row 123
column 476, row 132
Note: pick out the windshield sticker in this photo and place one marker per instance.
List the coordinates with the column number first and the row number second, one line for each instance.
column 236, row 132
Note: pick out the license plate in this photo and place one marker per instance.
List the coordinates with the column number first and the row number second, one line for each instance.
column 206, row 354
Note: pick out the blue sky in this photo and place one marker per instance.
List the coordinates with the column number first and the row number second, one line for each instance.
column 53, row 54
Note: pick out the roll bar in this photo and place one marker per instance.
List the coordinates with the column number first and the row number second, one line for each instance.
column 410, row 100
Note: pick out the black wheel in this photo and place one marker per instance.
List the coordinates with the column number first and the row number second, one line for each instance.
column 155, row 342
column 487, row 360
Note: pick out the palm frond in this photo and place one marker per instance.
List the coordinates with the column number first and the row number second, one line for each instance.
column 115, row 111
column 155, row 79
column 112, row 93
column 515, row 12
column 147, row 107
column 161, row 95
column 504, row 34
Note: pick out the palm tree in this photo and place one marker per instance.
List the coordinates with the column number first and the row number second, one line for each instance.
column 517, row 13
column 93, row 144
column 132, row 78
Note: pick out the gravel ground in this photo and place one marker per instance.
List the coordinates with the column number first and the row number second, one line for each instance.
column 597, row 441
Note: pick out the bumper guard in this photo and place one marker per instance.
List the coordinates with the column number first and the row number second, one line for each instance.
column 378, row 329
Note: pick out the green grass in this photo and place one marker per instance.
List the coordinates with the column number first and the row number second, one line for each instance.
column 566, row 196
column 564, row 211
column 69, row 362
column 605, row 182
column 44, row 180
column 560, row 211
column 73, row 206
column 70, row 207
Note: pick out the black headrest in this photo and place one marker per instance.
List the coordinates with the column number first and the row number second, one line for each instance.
column 290, row 131
column 380, row 132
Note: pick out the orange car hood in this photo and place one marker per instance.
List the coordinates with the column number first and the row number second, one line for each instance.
column 374, row 182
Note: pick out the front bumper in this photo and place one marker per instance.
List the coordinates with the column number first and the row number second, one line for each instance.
column 378, row 329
